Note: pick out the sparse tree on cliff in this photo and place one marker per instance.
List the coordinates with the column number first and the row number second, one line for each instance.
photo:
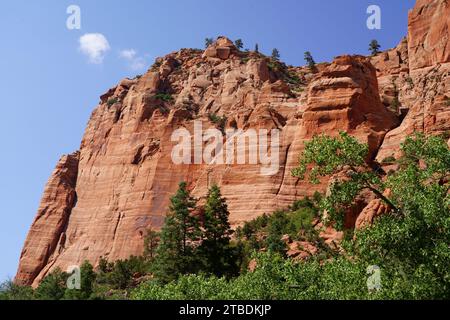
column 208, row 42
column 374, row 47
column 310, row 60
column 239, row 44
column 275, row 54
column 215, row 249
column 256, row 48
column 175, row 253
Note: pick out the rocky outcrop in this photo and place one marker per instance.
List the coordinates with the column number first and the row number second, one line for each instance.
column 374, row 209
column 429, row 34
column 47, row 236
column 345, row 97
column 100, row 201
column 126, row 173
column 428, row 80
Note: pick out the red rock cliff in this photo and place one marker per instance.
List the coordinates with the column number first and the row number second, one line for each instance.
column 101, row 200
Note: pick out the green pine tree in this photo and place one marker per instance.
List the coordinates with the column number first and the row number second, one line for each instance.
column 151, row 241
column 310, row 60
column 208, row 42
column 374, row 47
column 276, row 230
column 87, row 281
column 53, row 286
column 218, row 257
column 176, row 254
column 275, row 54
column 256, row 48
column 239, row 44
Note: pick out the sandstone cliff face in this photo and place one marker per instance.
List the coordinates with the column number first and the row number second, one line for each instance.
column 100, row 201
column 429, row 33
column 47, row 234
column 428, row 83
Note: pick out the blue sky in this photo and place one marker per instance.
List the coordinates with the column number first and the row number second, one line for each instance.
column 49, row 87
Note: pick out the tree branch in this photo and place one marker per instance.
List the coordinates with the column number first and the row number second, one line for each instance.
column 382, row 197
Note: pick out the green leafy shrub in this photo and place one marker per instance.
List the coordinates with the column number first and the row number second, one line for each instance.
column 410, row 82
column 220, row 122
column 53, row 287
column 166, row 97
column 389, row 160
column 11, row 291
column 112, row 101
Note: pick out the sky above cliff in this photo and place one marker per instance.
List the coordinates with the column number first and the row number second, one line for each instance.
column 52, row 76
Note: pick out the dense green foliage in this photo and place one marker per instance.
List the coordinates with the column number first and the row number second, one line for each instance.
column 325, row 156
column 10, row 291
column 197, row 258
column 410, row 246
column 273, row 278
column 218, row 257
column 175, row 253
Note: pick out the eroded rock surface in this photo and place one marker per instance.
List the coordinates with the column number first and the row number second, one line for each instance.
column 100, row 201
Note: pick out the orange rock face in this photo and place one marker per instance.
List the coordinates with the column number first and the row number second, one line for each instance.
column 126, row 173
column 429, row 82
column 47, row 234
column 374, row 209
column 429, row 34
column 100, row 201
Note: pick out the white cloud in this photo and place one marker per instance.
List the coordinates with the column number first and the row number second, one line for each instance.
column 134, row 61
column 128, row 54
column 94, row 46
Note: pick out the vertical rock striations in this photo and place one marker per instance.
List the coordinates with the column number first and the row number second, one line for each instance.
column 46, row 238
column 100, row 201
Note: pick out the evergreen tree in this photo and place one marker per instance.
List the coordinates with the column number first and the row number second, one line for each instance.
column 239, row 44
column 256, row 48
column 310, row 60
column 151, row 241
column 374, row 47
column 121, row 275
column 208, row 42
column 215, row 248
column 53, row 286
column 276, row 230
column 275, row 54
column 87, row 280
column 11, row 291
column 175, row 253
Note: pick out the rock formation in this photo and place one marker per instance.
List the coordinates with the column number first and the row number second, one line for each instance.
column 100, row 201
column 428, row 83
